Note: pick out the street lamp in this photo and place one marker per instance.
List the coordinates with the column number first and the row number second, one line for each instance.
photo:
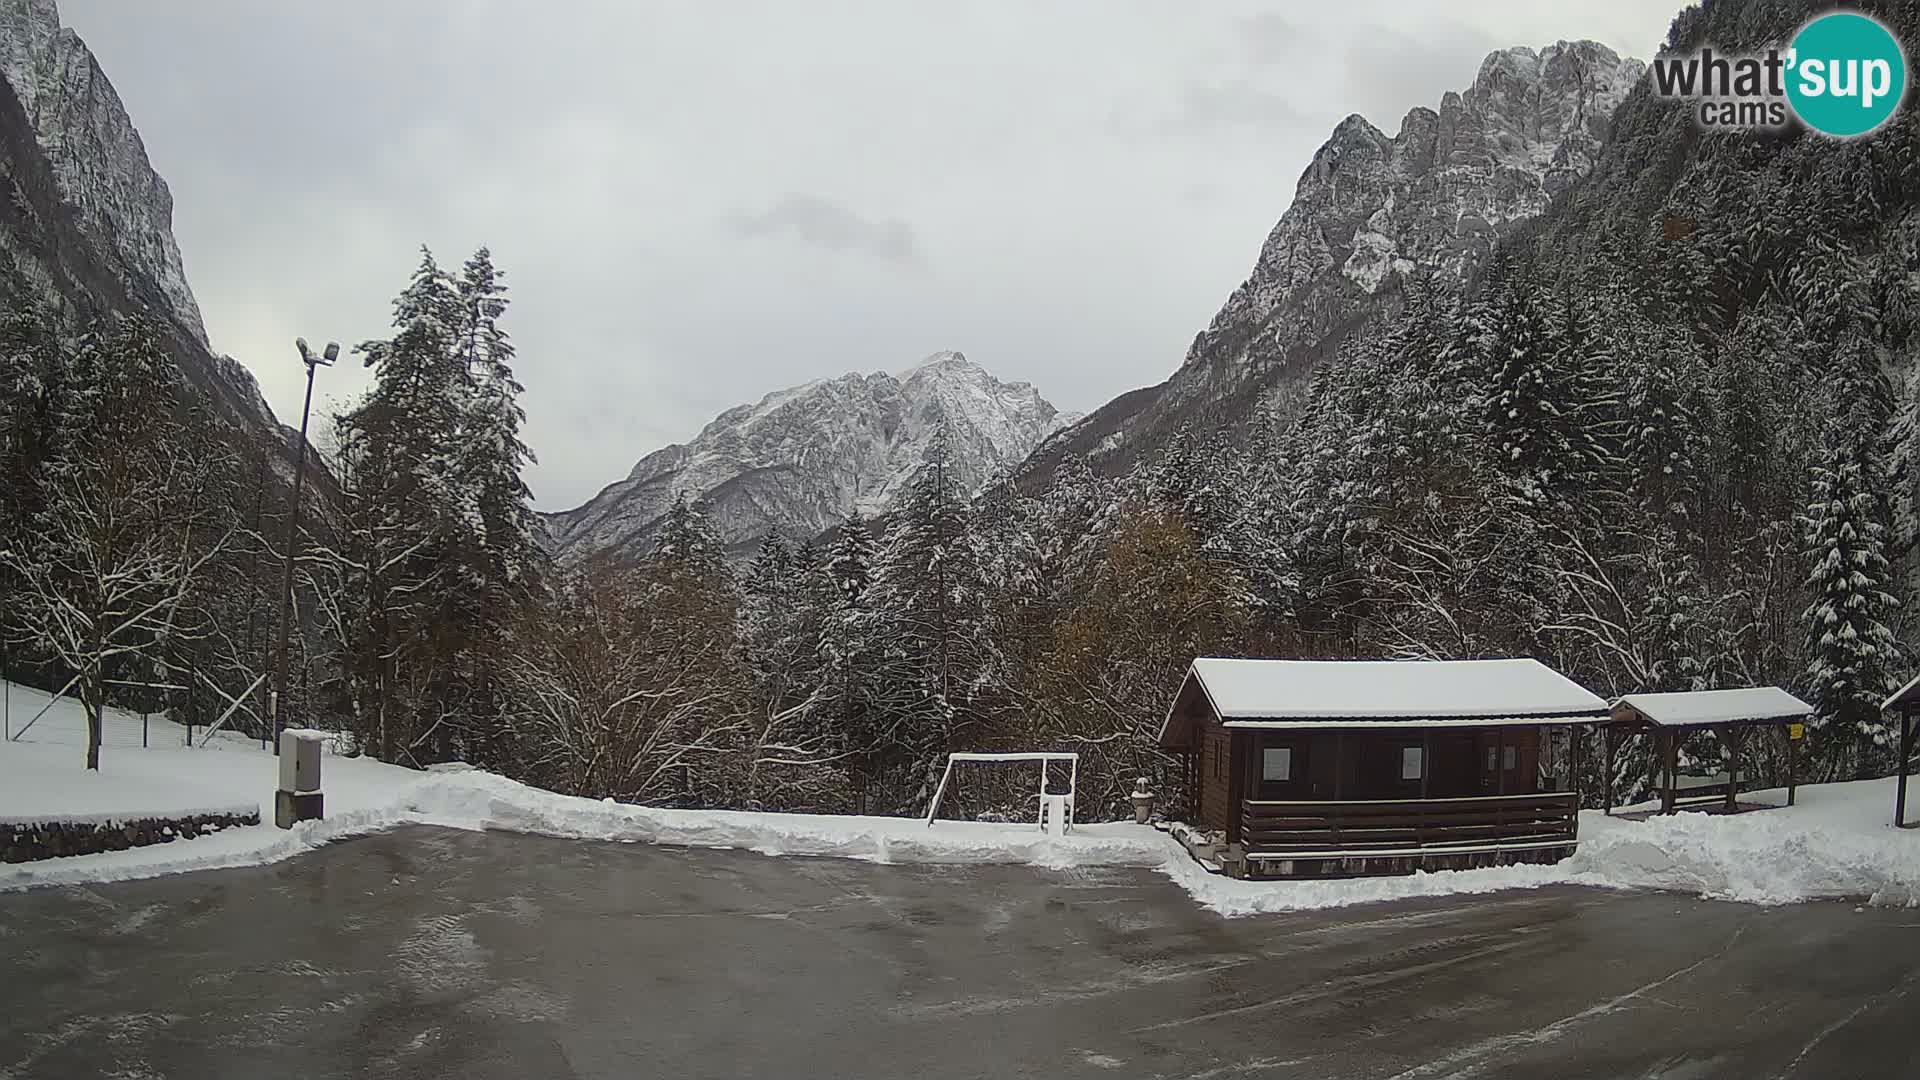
column 279, row 690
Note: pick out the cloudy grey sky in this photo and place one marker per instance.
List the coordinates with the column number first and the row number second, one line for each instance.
column 697, row 204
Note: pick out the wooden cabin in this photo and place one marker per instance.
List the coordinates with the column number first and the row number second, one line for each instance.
column 1322, row 768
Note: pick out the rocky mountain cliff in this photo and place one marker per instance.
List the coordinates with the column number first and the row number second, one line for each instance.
column 88, row 227
column 1368, row 212
column 798, row 460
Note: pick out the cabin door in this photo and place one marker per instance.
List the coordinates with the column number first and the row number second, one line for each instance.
column 1280, row 767
column 1454, row 768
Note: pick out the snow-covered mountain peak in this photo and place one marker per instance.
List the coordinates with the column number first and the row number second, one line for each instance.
column 945, row 360
column 798, row 460
column 1369, row 211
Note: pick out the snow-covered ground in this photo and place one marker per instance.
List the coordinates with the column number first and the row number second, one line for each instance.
column 43, row 778
column 1837, row 843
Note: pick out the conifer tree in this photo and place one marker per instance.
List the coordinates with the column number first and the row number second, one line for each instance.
column 1904, row 466
column 1853, row 650
column 850, row 559
column 494, row 456
column 409, row 518
column 924, row 627
column 769, row 624
column 35, row 379
column 499, row 552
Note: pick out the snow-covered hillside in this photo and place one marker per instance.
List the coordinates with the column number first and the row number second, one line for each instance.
column 798, row 460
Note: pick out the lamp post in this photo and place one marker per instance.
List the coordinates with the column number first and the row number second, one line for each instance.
column 279, row 690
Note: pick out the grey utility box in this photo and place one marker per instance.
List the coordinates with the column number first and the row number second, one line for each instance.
column 298, row 798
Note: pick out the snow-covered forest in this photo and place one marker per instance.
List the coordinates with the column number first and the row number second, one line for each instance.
column 1667, row 438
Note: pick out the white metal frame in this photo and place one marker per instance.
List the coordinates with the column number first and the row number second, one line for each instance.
column 1073, row 776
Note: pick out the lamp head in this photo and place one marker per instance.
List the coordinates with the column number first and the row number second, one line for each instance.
column 305, row 353
column 333, row 351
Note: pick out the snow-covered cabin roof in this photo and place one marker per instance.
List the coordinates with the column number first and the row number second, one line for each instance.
column 1352, row 693
column 1905, row 699
column 1689, row 708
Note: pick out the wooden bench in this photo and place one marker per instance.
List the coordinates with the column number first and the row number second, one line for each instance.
column 1699, row 790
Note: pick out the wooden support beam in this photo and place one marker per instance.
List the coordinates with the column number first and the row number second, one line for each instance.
column 1900, row 785
column 1793, row 754
column 1573, row 759
column 1670, row 765
column 1731, row 742
column 1606, row 767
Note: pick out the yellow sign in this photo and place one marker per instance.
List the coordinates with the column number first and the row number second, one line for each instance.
column 1796, row 731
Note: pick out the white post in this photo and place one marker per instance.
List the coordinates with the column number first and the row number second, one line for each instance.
column 1043, row 795
column 1073, row 788
column 939, row 791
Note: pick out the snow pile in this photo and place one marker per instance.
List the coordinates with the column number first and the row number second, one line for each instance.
column 472, row 799
column 485, row 801
column 1836, row 844
column 42, row 779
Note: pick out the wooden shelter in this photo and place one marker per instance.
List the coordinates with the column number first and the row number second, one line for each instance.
column 1905, row 707
column 1732, row 715
column 1327, row 768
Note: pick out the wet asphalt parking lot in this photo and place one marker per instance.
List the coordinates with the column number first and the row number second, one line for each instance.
column 436, row 953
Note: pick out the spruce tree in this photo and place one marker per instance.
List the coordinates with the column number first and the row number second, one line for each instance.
column 850, row 559
column 499, row 552
column 1853, row 653
column 409, row 520
column 769, row 623
column 494, row 456
column 687, row 607
column 924, row 625
column 1904, row 466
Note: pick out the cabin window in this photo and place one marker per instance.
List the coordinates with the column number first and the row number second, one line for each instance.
column 1412, row 762
column 1276, row 763
column 1492, row 761
column 1513, row 757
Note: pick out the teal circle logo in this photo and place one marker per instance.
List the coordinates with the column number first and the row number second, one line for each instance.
column 1847, row 74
